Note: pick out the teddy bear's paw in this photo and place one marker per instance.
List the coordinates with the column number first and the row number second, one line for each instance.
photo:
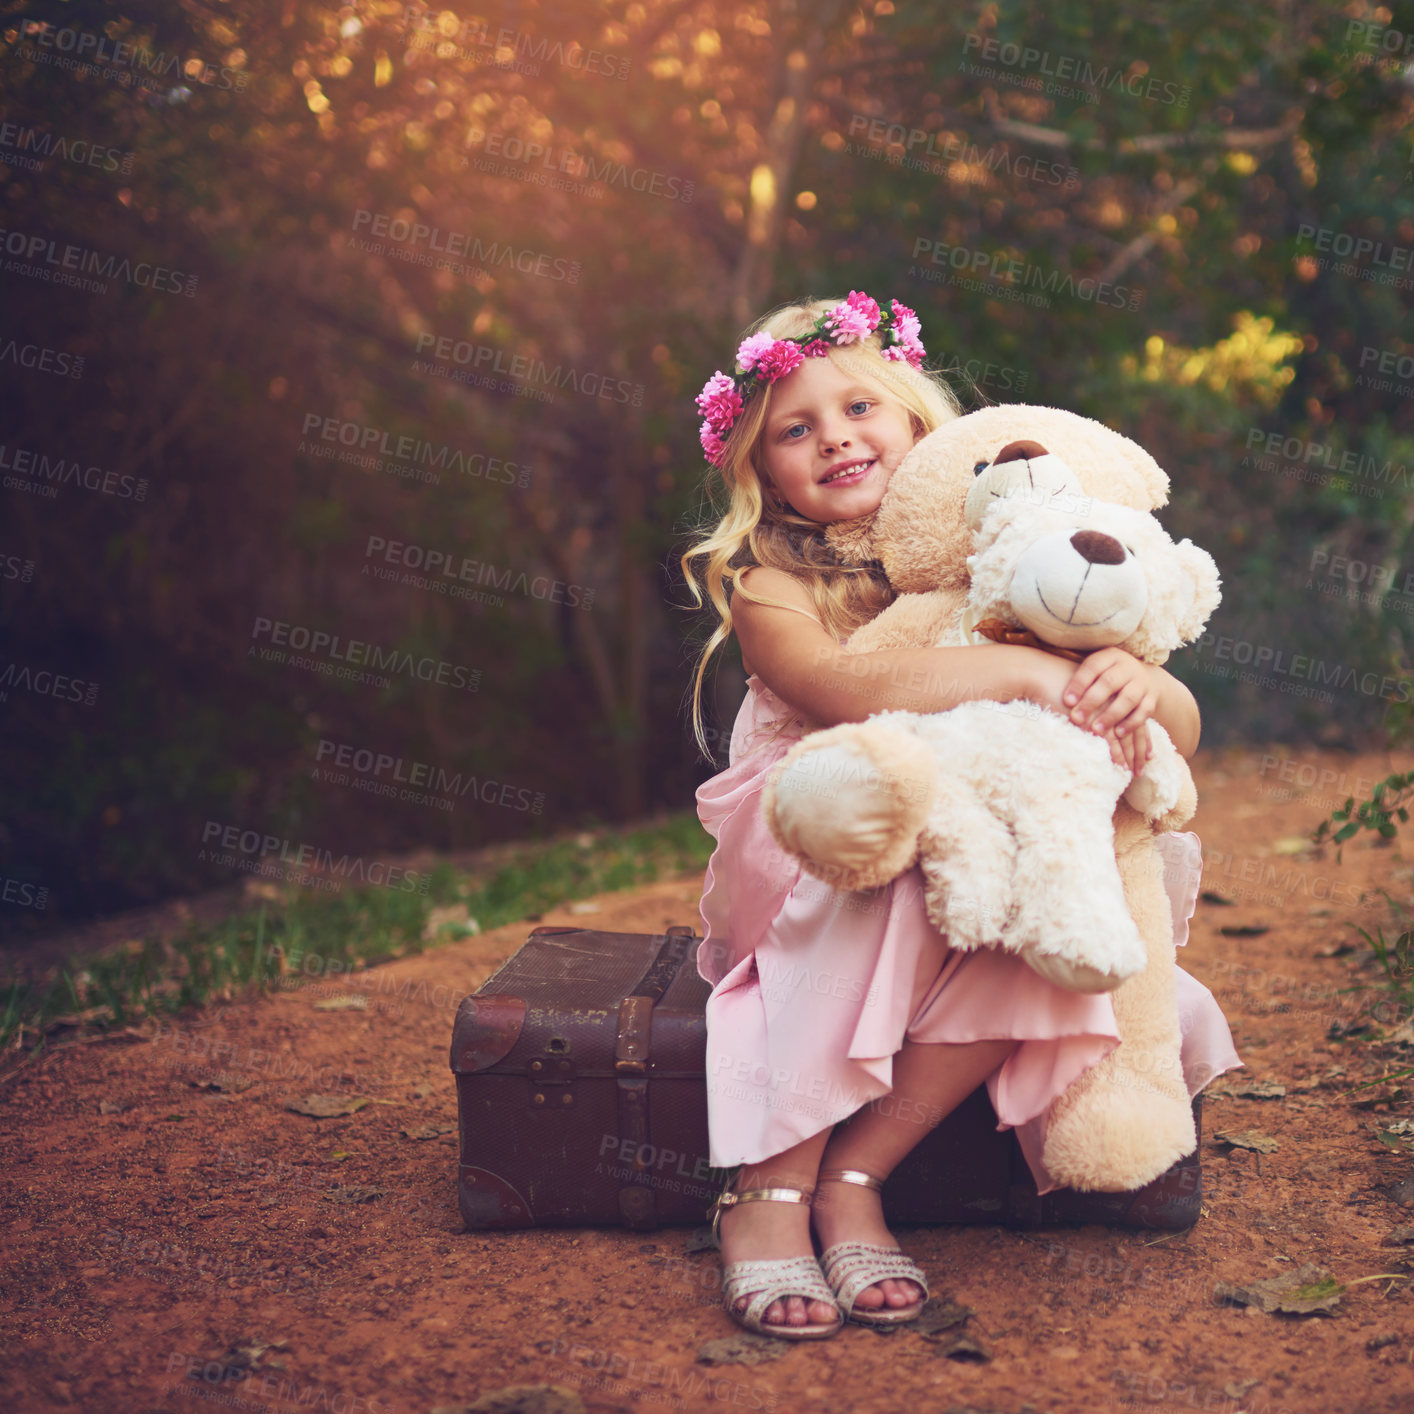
column 1073, row 976
column 1159, row 788
column 849, row 803
column 1113, row 1137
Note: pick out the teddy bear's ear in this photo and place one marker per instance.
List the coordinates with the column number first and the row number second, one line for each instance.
column 1200, row 571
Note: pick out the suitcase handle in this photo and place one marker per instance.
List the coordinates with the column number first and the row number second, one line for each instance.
column 631, row 1049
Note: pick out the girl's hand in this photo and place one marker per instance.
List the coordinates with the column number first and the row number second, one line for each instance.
column 1049, row 678
column 1112, row 692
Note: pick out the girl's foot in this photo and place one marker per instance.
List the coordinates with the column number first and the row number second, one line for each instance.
column 849, row 1212
column 761, row 1232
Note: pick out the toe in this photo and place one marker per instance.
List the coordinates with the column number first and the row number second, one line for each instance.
column 822, row 1313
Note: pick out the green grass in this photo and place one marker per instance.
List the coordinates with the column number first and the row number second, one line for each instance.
column 361, row 927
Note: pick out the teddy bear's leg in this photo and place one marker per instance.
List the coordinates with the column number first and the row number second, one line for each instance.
column 849, row 801
column 1163, row 789
column 1129, row 1118
column 968, row 858
column 1072, row 924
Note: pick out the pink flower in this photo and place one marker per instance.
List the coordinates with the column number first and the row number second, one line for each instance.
column 781, row 358
column 869, row 308
column 719, row 402
column 906, row 322
column 749, row 350
column 816, row 348
column 712, row 444
column 849, row 321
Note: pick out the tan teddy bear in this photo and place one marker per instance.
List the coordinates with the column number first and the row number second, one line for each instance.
column 1129, row 1118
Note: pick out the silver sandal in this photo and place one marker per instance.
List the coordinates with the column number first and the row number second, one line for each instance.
column 849, row 1267
column 772, row 1280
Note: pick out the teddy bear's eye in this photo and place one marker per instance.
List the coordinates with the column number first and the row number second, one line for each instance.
column 980, row 468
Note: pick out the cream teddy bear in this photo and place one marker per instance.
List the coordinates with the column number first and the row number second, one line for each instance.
column 1009, row 806
column 1128, row 1119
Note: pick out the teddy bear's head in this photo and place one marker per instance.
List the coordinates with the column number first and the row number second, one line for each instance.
column 1089, row 575
column 920, row 531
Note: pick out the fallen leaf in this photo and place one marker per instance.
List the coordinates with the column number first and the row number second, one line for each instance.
column 1308, row 1290
column 744, row 1348
column 699, row 1240
column 1293, row 844
column 352, row 1002
column 231, row 1084
column 1336, row 949
column 1248, row 1139
column 1384, row 1338
column 585, row 906
column 940, row 1314
column 1235, row 1389
column 1254, row 1090
column 1209, row 896
column 1244, row 930
column 520, row 1399
column 429, row 1131
column 1399, row 1237
column 325, row 1106
column 958, row 1345
column 354, row 1193
column 112, row 1107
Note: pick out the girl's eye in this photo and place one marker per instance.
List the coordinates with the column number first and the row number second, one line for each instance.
column 863, row 403
column 789, row 433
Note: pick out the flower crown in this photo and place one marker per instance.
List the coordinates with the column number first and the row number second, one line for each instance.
column 763, row 358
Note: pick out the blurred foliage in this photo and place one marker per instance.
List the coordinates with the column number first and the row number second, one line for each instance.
column 614, row 190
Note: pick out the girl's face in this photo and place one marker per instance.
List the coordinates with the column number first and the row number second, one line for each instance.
column 831, row 442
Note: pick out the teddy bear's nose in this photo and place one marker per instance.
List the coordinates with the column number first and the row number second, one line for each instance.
column 1097, row 547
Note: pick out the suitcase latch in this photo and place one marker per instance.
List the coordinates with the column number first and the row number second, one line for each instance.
column 551, row 1070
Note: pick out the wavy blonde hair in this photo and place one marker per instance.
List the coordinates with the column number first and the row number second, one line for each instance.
column 753, row 531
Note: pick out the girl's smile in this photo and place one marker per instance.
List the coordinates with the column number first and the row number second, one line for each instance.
column 832, row 441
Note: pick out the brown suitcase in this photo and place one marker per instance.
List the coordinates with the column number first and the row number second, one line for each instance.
column 582, row 1101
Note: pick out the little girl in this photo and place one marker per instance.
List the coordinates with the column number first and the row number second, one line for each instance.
column 823, row 1001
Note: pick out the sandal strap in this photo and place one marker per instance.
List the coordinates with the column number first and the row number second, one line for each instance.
column 727, row 1199
column 768, row 1281
column 859, row 1176
column 849, row 1267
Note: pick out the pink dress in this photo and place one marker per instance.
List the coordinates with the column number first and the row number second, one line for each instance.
column 815, row 988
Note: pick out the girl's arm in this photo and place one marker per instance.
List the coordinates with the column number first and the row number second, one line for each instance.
column 793, row 653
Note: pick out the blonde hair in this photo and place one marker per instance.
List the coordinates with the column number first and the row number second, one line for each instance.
column 752, row 531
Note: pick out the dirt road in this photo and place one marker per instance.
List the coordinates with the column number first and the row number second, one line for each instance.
column 176, row 1239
